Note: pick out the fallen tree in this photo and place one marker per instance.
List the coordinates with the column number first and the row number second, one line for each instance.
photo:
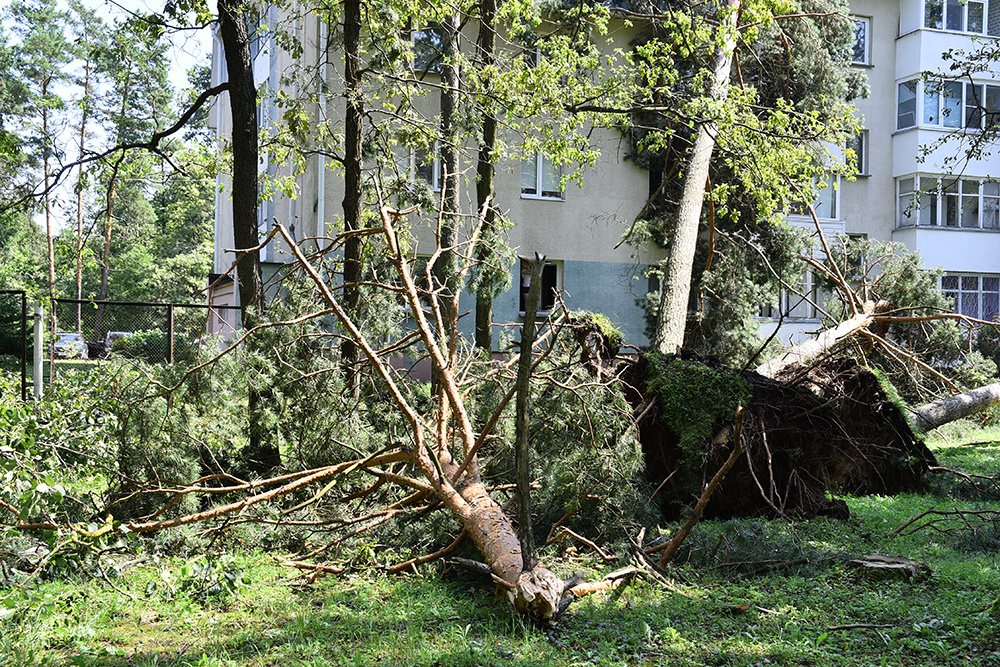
column 937, row 413
column 813, row 432
column 420, row 450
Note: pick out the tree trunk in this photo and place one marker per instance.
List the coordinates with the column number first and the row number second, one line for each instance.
column 533, row 590
column 536, row 592
column 109, row 208
column 675, row 289
column 932, row 415
column 445, row 269
column 243, row 109
column 485, row 184
column 805, row 353
column 48, row 197
column 85, row 107
column 522, row 462
column 352, row 180
column 109, row 212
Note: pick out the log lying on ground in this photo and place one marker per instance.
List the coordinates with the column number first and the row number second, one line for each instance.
column 932, row 415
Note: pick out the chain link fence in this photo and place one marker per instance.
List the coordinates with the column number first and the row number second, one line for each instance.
column 15, row 335
column 152, row 332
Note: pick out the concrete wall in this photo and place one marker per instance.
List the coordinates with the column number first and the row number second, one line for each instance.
column 867, row 205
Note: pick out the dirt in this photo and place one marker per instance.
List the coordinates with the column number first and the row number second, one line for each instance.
column 809, row 434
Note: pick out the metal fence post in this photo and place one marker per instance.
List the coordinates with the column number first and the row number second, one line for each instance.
column 38, row 352
column 170, row 336
column 24, row 347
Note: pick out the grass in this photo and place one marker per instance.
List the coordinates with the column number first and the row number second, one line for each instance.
column 807, row 604
column 84, row 365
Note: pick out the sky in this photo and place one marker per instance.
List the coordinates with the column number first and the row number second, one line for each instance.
column 187, row 49
column 194, row 47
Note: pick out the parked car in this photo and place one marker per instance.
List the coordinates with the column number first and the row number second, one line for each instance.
column 71, row 345
column 116, row 341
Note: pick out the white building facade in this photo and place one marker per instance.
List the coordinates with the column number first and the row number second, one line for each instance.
column 918, row 184
column 578, row 227
column 915, row 186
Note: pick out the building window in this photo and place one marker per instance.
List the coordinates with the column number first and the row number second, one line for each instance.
column 948, row 104
column 428, row 49
column 540, row 178
column 958, row 16
column 906, row 105
column 961, row 203
column 550, row 285
column 799, row 303
column 825, row 203
column 973, row 296
column 427, row 166
column 982, row 105
column 859, row 144
column 861, row 51
column 943, row 103
column 907, row 204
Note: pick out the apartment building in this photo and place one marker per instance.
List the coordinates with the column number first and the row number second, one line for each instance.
column 578, row 227
column 916, row 184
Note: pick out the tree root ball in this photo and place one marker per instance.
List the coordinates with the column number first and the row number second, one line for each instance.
column 812, row 432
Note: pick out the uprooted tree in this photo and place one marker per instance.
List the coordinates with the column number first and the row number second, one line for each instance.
column 824, row 416
column 427, row 455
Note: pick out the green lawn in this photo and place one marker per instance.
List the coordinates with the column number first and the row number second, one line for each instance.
column 807, row 606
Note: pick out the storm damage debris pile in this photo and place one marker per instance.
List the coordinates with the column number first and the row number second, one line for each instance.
column 812, row 432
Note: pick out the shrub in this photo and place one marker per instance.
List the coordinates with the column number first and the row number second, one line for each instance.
column 150, row 345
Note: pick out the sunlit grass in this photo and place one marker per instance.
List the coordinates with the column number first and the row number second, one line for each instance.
column 807, row 604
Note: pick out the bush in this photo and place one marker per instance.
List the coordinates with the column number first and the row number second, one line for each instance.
column 150, row 345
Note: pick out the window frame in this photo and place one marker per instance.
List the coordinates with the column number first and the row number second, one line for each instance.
column 866, row 58
column 539, row 191
column 860, row 145
column 966, row 109
column 434, row 165
column 434, row 59
column 800, row 209
column 943, row 202
column 913, row 87
column 962, row 291
column 551, row 284
column 789, row 301
column 955, row 16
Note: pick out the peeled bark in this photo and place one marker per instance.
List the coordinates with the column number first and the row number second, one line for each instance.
column 534, row 590
column 932, row 415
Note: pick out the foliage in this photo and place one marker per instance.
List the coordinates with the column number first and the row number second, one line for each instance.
column 745, row 268
column 149, row 345
column 788, row 98
column 585, row 452
column 802, row 604
column 692, row 398
column 890, row 274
